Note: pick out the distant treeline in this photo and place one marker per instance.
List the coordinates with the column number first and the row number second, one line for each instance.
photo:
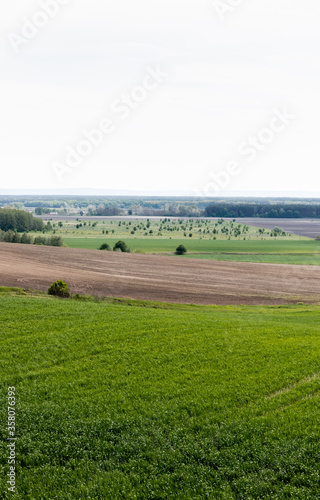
column 170, row 210
column 15, row 237
column 106, row 211
column 166, row 206
column 19, row 221
column 263, row 210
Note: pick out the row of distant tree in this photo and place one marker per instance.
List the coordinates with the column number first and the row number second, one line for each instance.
column 19, row 221
column 154, row 209
column 274, row 211
column 25, row 238
column 42, row 211
column 216, row 209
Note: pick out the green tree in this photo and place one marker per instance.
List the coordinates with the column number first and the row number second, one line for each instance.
column 181, row 250
column 26, row 239
column 121, row 245
column 105, row 246
column 8, row 236
column 16, row 238
column 39, row 240
column 19, row 220
column 55, row 241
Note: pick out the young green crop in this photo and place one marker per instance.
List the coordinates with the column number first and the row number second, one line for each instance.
column 277, row 251
column 136, row 400
column 205, row 239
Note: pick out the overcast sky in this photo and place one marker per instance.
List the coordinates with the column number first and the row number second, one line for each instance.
column 222, row 76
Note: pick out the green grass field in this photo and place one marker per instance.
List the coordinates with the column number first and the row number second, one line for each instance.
column 276, row 251
column 156, row 245
column 212, row 240
column 148, row 401
column 192, row 229
column 295, row 259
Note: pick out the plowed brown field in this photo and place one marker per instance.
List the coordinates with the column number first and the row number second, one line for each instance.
column 158, row 278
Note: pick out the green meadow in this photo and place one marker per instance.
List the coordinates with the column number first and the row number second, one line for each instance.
column 306, row 258
column 132, row 400
column 157, row 245
column 277, row 251
column 204, row 239
column 168, row 229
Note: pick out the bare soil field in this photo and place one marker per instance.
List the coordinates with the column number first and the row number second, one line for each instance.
column 310, row 228
column 157, row 278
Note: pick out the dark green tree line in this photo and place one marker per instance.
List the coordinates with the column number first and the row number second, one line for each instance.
column 19, row 221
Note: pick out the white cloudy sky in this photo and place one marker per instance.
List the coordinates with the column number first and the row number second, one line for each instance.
column 225, row 79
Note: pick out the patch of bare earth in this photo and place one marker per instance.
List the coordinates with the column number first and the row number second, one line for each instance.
column 158, row 278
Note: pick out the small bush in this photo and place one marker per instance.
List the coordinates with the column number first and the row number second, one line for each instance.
column 55, row 241
column 39, row 240
column 181, row 250
column 8, row 236
column 59, row 289
column 26, row 239
column 121, row 245
column 105, row 246
column 16, row 238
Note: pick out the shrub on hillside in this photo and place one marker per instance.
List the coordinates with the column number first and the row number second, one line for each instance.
column 181, row 250
column 59, row 289
column 8, row 236
column 16, row 238
column 121, row 245
column 55, row 241
column 26, row 239
column 39, row 240
column 105, row 246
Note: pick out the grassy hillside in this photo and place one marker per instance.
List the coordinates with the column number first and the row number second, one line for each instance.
column 153, row 233
column 130, row 400
column 167, row 228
